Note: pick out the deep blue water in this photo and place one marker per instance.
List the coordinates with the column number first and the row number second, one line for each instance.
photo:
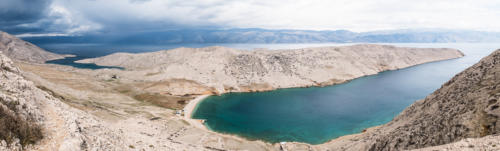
column 312, row 115
column 70, row 61
column 318, row 114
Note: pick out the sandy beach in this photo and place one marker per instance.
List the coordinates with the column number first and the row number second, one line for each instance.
column 188, row 110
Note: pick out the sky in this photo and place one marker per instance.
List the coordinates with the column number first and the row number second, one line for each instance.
column 80, row 17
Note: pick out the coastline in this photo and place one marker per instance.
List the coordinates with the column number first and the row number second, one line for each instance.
column 188, row 111
column 191, row 106
column 197, row 123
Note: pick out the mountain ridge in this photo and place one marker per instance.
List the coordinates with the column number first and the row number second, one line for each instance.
column 18, row 49
column 257, row 35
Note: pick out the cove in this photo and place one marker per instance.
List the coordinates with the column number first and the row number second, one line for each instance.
column 70, row 61
column 318, row 114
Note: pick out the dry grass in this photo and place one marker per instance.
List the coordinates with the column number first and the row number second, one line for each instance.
column 166, row 101
column 152, row 74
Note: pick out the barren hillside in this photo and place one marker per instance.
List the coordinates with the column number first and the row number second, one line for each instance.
column 18, row 49
column 34, row 119
column 220, row 70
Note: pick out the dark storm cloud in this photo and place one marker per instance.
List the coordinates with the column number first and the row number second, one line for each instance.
column 13, row 12
column 79, row 17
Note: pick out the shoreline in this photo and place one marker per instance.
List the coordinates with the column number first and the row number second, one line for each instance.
column 191, row 106
column 197, row 123
column 188, row 111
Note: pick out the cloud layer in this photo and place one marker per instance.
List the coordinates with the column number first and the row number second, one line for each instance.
column 102, row 16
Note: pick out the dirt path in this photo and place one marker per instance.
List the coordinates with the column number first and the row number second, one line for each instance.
column 55, row 129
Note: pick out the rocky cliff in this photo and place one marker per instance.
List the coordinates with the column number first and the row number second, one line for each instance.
column 220, row 70
column 18, row 49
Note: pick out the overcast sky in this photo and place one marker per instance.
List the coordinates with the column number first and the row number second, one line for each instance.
column 62, row 17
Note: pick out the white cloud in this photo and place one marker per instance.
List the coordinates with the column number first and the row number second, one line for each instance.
column 60, row 21
column 359, row 15
column 74, row 23
column 41, row 35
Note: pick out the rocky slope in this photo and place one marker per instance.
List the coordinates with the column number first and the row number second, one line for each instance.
column 220, row 70
column 38, row 113
column 18, row 49
column 467, row 106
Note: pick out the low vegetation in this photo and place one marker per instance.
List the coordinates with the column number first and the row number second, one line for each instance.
column 163, row 100
column 14, row 125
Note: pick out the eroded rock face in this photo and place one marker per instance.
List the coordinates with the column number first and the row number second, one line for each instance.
column 467, row 106
column 18, row 49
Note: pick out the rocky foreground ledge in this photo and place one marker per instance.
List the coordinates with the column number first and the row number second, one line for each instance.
column 216, row 70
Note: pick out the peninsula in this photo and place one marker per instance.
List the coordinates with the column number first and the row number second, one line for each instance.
column 216, row 70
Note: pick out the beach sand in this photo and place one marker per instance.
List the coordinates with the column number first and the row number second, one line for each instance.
column 188, row 110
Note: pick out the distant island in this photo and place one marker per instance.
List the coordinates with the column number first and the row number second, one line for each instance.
column 258, row 35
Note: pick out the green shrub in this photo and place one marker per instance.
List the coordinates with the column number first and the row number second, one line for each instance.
column 13, row 126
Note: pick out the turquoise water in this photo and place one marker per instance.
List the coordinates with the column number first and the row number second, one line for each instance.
column 318, row 114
